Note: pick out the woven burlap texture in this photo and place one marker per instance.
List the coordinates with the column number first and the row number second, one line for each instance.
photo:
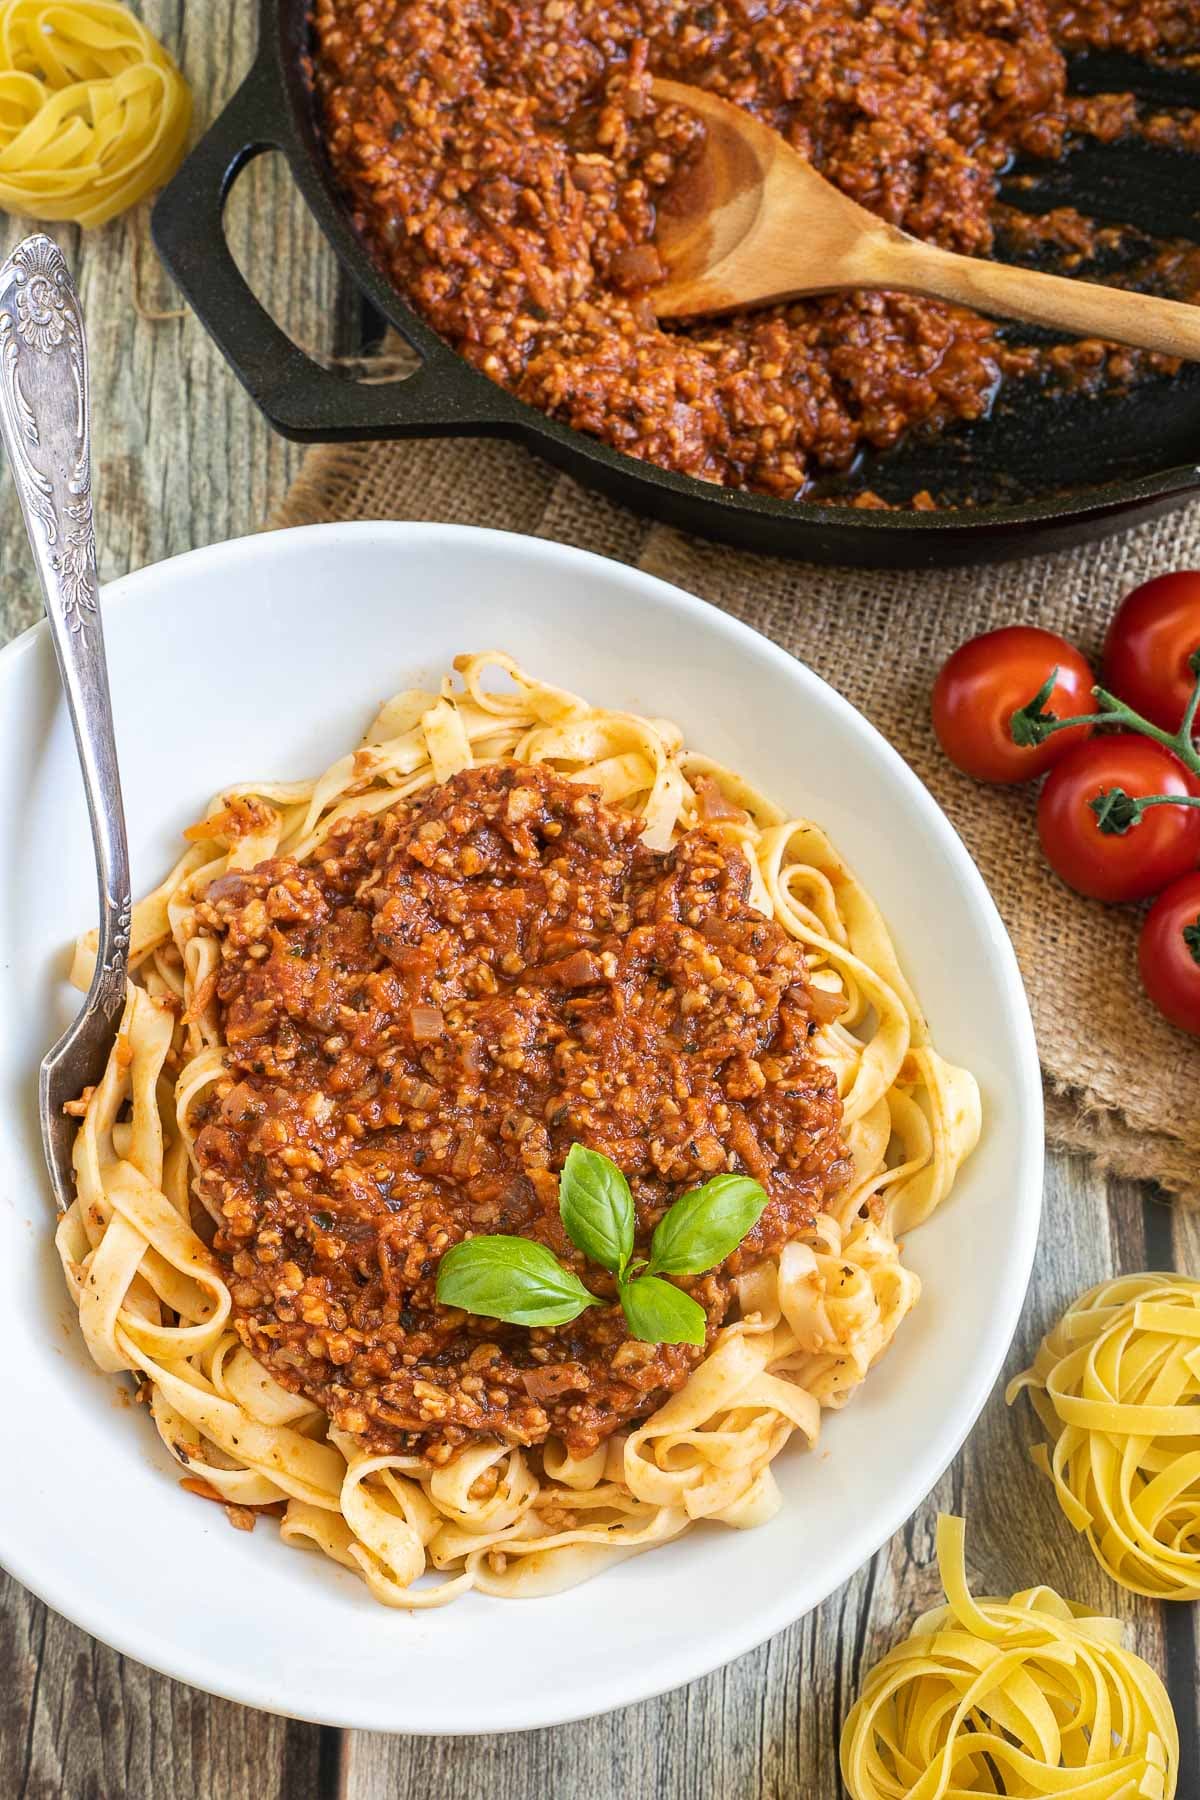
column 1121, row 1084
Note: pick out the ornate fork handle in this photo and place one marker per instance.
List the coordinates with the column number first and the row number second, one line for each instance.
column 44, row 426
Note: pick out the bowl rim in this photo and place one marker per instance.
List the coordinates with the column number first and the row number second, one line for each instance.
column 170, row 1653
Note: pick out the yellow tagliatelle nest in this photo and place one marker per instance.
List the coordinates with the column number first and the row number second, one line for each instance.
column 1032, row 1696
column 93, row 112
column 1117, row 1385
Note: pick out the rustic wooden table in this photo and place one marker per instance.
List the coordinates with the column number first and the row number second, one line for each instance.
column 182, row 459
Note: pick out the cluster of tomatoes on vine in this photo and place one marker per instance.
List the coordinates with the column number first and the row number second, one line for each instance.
column 1119, row 812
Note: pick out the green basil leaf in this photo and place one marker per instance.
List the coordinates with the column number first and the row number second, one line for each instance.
column 596, row 1207
column 706, row 1225
column 658, row 1313
column 513, row 1279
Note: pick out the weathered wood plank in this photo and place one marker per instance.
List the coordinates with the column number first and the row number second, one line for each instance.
column 77, row 1720
column 768, row 1725
column 1185, row 1233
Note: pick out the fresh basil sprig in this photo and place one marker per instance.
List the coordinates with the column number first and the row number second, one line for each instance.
column 596, row 1207
column 658, row 1313
column 706, row 1225
column 511, row 1278
column 521, row 1282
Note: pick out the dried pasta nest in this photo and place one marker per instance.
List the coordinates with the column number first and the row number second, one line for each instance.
column 1032, row 1696
column 1117, row 1386
column 94, row 113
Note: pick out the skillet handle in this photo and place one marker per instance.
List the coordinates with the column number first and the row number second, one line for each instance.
column 301, row 399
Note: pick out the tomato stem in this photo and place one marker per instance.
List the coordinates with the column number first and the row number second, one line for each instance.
column 1031, row 724
column 1189, row 718
column 1166, row 800
column 1191, row 937
column 1118, row 812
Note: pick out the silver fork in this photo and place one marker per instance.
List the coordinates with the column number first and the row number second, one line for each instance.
column 44, row 427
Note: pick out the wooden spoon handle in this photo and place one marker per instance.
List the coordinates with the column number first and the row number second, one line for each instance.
column 1083, row 308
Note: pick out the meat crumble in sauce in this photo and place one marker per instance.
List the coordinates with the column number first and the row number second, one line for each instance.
column 503, row 159
column 420, row 1024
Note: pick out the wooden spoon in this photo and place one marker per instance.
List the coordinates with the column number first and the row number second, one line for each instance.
column 752, row 222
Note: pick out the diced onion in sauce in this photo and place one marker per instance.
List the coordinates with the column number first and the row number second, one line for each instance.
column 713, row 803
column 826, row 1005
column 427, row 1023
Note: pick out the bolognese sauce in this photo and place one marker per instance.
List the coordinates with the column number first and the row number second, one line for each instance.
column 419, row 1022
column 504, row 159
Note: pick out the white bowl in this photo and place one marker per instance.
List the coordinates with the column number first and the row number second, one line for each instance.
column 267, row 657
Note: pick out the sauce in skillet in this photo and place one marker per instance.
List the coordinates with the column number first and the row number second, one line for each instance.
column 503, row 159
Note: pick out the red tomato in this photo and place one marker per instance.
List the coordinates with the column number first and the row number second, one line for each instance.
column 1169, row 953
column 1163, row 844
column 1154, row 631
column 984, row 683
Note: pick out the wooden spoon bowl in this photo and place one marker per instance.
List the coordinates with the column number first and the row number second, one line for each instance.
column 751, row 222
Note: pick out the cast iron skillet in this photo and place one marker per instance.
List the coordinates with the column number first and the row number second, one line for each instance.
column 1041, row 474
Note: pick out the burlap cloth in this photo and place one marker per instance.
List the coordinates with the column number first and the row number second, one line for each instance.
column 1121, row 1084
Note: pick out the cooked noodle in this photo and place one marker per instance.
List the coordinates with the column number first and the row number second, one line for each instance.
column 1117, row 1386
column 505, row 1520
column 94, row 113
column 1032, row 1696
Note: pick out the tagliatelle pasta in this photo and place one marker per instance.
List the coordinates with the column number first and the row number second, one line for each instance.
column 1116, row 1384
column 1032, row 1696
column 94, row 113
column 501, row 1517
